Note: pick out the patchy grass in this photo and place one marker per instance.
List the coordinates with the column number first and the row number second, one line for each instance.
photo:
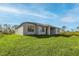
column 16, row 45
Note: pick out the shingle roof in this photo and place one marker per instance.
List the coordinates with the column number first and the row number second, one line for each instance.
column 35, row 24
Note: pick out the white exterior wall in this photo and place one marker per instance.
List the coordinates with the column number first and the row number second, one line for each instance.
column 37, row 29
column 19, row 31
column 26, row 29
column 23, row 30
column 48, row 31
column 40, row 30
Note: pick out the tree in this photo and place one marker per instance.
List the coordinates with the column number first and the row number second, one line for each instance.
column 0, row 28
column 77, row 28
column 4, row 28
column 63, row 28
column 7, row 28
column 14, row 28
column 72, row 30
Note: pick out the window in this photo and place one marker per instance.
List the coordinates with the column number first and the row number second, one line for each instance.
column 42, row 29
column 30, row 28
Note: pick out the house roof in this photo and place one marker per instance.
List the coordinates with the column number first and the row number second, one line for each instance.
column 35, row 24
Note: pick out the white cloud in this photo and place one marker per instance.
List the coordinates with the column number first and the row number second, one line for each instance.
column 41, row 14
column 71, row 16
column 9, row 10
column 69, row 19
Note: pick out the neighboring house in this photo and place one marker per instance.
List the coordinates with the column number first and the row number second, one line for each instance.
column 31, row 28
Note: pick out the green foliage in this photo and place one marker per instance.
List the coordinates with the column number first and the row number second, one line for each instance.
column 70, row 33
column 16, row 45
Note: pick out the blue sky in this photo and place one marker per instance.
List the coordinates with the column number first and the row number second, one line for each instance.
column 57, row 14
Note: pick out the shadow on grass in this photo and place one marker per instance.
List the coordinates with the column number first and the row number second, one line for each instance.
column 48, row 36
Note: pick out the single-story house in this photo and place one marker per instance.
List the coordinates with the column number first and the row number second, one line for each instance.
column 31, row 28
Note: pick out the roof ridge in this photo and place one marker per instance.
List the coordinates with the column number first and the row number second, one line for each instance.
column 36, row 24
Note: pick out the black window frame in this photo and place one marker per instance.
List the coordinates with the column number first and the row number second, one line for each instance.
column 43, row 29
column 30, row 28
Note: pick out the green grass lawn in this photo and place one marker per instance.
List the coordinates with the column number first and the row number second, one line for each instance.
column 16, row 45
